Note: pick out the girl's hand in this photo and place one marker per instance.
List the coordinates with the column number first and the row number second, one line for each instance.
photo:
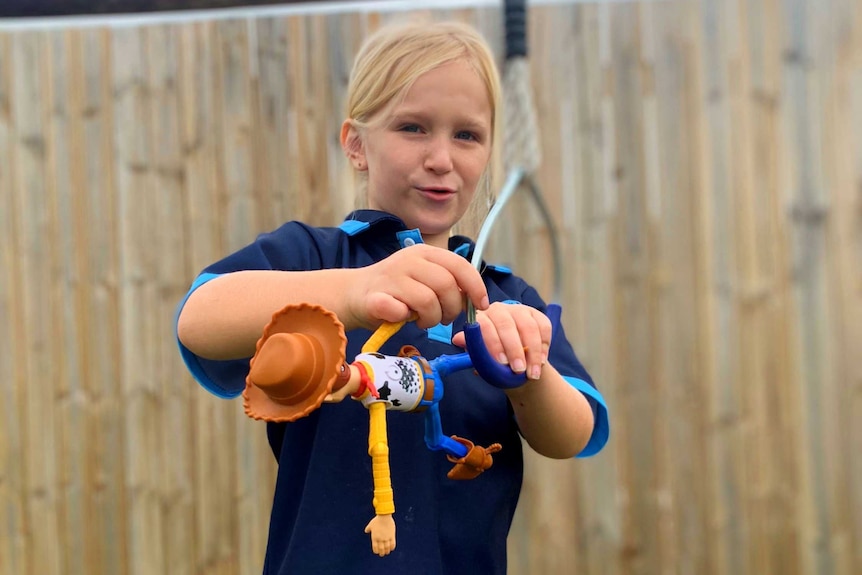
column 515, row 334
column 430, row 281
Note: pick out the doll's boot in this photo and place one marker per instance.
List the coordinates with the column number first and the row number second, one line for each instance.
column 477, row 460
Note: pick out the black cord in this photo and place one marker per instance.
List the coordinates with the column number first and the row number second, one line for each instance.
column 516, row 28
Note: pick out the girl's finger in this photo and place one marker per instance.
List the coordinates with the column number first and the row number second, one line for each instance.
column 510, row 337
column 528, row 321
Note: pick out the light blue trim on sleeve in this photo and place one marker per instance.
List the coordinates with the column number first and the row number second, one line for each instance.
column 441, row 333
column 463, row 250
column 190, row 359
column 601, row 426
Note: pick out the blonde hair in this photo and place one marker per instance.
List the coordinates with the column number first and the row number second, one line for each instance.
column 391, row 60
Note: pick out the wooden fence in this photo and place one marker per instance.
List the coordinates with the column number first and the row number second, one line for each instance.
column 704, row 161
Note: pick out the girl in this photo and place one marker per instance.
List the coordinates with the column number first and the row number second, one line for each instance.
column 421, row 124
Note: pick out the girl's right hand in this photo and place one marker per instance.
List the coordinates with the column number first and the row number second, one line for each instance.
column 429, row 281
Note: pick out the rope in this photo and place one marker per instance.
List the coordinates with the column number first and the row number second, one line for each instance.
column 520, row 131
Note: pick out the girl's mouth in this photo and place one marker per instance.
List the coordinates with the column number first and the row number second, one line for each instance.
column 437, row 193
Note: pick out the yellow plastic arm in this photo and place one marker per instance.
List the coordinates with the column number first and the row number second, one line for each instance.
column 379, row 337
column 383, row 333
column 378, row 449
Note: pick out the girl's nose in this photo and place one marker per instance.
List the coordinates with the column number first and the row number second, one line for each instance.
column 438, row 157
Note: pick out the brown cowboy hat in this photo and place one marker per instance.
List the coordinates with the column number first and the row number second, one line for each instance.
column 297, row 360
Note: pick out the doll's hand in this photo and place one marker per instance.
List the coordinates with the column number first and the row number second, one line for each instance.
column 430, row 281
column 337, row 396
column 514, row 334
column 382, row 530
column 346, row 384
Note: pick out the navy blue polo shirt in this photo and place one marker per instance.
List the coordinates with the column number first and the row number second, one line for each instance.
column 324, row 487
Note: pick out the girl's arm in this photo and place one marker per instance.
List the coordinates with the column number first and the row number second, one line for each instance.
column 223, row 318
column 554, row 417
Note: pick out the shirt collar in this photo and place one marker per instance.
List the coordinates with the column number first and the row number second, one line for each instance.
column 387, row 226
column 374, row 219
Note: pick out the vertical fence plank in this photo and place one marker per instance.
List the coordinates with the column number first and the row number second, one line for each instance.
column 138, row 292
column 640, row 386
column 656, row 188
column 298, row 202
column 768, row 295
column 234, row 103
column 272, row 125
column 844, row 113
column 809, row 209
column 726, row 402
column 76, row 321
column 176, row 489
column 14, row 549
column 676, row 200
column 343, row 39
column 311, row 103
column 746, row 291
column 591, row 221
column 33, row 203
column 695, row 526
column 109, row 538
column 835, row 39
column 198, row 138
column 211, row 422
column 69, row 397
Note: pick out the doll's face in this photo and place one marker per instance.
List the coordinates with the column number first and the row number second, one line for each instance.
column 428, row 151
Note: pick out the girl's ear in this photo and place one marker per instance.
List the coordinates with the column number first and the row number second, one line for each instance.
column 351, row 143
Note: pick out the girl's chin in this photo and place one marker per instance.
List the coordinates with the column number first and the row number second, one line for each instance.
column 429, row 224
column 436, row 236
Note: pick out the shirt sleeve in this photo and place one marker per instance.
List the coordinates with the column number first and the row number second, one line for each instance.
column 292, row 247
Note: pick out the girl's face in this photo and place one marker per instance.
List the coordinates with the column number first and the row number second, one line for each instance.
column 426, row 156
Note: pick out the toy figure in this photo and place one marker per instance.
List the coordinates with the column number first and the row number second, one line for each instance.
column 299, row 363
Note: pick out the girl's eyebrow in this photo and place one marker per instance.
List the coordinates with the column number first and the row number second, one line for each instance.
column 468, row 123
column 403, row 115
column 472, row 124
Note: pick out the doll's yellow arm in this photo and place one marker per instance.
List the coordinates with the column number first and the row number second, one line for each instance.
column 378, row 449
column 382, row 334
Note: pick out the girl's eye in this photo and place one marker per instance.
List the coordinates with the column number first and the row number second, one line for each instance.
column 465, row 135
column 412, row 128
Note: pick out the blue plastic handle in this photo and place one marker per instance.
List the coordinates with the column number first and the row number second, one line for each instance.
column 490, row 369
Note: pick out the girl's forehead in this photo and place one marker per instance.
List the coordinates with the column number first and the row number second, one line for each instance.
column 457, row 73
column 455, row 83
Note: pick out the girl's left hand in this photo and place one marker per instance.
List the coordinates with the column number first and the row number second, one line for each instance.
column 516, row 335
